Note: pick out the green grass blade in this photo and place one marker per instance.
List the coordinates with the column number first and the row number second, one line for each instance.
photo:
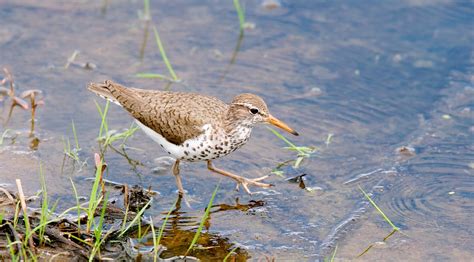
column 146, row 7
column 155, row 243
column 75, row 135
column 163, row 55
column 298, row 162
column 12, row 250
column 229, row 254
column 153, row 75
column 94, row 200
column 283, row 138
column 125, row 217
column 44, row 216
column 103, row 114
column 98, row 229
column 240, row 14
column 334, row 254
column 203, row 220
column 77, row 204
column 137, row 217
column 378, row 209
column 162, row 228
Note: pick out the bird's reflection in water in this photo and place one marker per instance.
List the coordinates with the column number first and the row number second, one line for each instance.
column 182, row 226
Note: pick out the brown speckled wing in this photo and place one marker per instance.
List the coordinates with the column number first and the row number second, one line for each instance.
column 177, row 116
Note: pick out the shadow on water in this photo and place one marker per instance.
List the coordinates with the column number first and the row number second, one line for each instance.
column 181, row 228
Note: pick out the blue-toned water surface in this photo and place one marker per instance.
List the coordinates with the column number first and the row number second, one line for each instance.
column 381, row 78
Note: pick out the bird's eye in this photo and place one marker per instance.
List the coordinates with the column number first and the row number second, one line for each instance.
column 254, row 111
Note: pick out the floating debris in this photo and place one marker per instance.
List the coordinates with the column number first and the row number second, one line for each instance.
column 72, row 61
column 298, row 179
column 406, row 151
column 446, row 116
column 316, row 91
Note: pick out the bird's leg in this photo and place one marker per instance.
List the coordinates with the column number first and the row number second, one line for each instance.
column 245, row 182
column 178, row 178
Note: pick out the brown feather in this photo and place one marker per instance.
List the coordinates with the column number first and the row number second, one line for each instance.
column 177, row 116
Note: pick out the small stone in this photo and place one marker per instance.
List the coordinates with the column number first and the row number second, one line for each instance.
column 218, row 53
column 271, row 4
column 315, row 91
column 380, row 244
column 397, row 58
column 89, row 66
column 249, row 25
column 315, row 190
column 164, row 161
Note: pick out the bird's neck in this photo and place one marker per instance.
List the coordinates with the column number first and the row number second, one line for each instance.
column 238, row 128
column 240, row 133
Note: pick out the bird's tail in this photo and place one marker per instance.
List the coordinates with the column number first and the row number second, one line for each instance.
column 104, row 90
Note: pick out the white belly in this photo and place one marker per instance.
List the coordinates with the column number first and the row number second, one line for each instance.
column 197, row 149
column 172, row 149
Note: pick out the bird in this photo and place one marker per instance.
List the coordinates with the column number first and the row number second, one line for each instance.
column 193, row 127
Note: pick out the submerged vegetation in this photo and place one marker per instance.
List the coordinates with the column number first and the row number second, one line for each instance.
column 33, row 95
column 394, row 228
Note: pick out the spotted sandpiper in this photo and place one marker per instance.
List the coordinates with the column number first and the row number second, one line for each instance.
column 193, row 127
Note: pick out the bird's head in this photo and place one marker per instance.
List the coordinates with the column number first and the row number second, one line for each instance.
column 249, row 109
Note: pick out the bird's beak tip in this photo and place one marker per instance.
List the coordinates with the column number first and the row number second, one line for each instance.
column 274, row 121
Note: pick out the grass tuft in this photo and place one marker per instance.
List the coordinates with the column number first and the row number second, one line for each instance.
column 302, row 151
column 98, row 239
column 106, row 137
column 45, row 211
column 72, row 153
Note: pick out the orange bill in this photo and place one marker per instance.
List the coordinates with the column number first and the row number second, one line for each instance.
column 274, row 121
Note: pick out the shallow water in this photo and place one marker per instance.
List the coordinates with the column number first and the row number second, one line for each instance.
column 376, row 75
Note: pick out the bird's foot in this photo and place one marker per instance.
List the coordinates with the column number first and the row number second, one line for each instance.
column 245, row 182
